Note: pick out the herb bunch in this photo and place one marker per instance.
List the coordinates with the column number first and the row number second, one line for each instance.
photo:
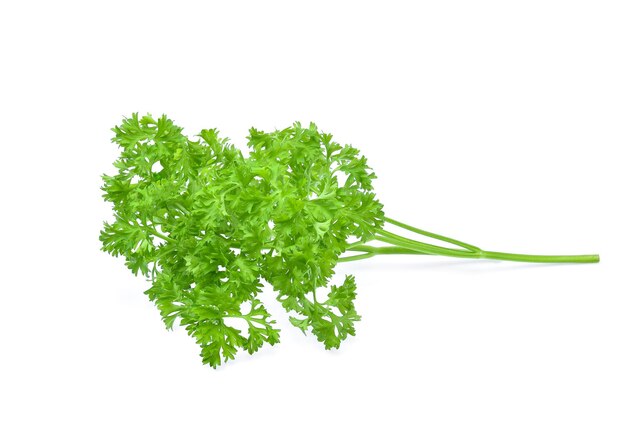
column 207, row 226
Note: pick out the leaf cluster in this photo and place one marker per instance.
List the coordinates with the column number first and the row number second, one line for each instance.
column 207, row 226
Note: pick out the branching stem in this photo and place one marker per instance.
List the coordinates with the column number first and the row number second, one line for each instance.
column 403, row 245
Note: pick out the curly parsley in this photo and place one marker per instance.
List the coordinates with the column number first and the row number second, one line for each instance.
column 206, row 226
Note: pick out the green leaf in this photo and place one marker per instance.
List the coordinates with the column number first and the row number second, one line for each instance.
column 208, row 225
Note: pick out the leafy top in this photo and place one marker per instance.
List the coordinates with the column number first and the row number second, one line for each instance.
column 206, row 225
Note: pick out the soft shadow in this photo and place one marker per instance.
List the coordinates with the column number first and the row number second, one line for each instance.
column 466, row 265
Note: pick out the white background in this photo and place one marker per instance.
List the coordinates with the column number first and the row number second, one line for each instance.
column 499, row 123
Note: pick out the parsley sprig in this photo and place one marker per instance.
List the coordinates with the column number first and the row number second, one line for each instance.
column 207, row 226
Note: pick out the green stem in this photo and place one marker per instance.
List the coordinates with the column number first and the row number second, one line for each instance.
column 403, row 245
column 575, row 259
column 357, row 257
column 370, row 251
column 432, row 235
column 160, row 235
column 386, row 250
column 392, row 238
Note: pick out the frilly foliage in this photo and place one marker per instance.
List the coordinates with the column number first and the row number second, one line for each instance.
column 206, row 226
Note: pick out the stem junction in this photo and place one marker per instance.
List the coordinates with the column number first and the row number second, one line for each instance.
column 401, row 245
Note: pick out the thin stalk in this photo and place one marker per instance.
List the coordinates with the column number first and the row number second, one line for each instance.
column 357, row 257
column 160, row 235
column 482, row 254
column 563, row 259
column 370, row 251
column 462, row 244
column 392, row 238
column 575, row 259
column 386, row 250
column 403, row 245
